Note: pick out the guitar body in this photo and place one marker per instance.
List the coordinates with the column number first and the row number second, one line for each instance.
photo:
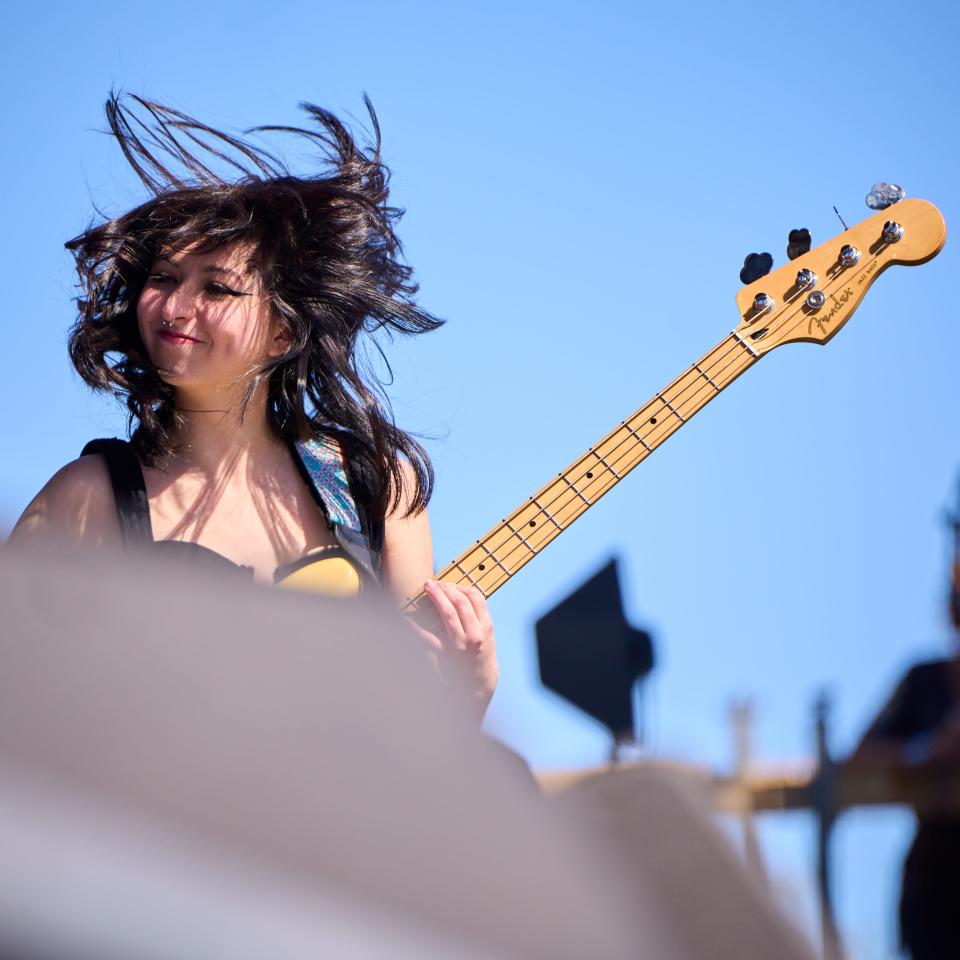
column 334, row 576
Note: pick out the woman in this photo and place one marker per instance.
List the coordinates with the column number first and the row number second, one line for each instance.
column 231, row 315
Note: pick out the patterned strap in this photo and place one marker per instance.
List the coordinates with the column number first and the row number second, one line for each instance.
column 323, row 462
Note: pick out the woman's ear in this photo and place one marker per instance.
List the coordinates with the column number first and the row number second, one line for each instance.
column 279, row 340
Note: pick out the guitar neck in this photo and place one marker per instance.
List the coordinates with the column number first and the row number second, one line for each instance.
column 490, row 562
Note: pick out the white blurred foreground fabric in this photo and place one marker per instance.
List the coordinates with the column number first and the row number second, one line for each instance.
column 192, row 767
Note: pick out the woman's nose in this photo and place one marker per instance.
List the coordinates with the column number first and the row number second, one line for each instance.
column 178, row 304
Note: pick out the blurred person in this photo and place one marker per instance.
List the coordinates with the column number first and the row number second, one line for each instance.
column 231, row 316
column 919, row 728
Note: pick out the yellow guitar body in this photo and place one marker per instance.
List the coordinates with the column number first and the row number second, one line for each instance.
column 333, row 576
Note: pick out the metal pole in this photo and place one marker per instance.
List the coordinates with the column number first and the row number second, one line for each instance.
column 741, row 719
column 824, row 805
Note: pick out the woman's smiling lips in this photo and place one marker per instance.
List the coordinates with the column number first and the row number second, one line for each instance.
column 169, row 336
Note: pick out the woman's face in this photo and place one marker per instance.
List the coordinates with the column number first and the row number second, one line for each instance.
column 204, row 319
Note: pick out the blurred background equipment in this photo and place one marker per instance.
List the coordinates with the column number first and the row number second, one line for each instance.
column 592, row 657
column 953, row 520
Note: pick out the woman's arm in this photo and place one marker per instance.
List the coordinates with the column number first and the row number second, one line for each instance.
column 75, row 507
column 407, row 561
column 462, row 634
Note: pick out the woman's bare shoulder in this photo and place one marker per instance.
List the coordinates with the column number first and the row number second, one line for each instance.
column 75, row 505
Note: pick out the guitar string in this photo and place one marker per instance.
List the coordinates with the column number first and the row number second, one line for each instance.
column 632, row 437
column 570, row 495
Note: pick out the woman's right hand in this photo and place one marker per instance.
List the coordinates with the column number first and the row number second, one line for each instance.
column 458, row 629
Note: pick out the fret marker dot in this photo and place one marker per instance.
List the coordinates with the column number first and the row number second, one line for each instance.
column 589, row 476
column 482, row 567
column 533, row 523
column 653, row 419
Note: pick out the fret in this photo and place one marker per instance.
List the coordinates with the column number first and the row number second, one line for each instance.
column 607, row 465
column 709, row 380
column 671, row 408
column 467, row 575
column 637, row 436
column 544, row 511
column 574, row 488
column 746, row 346
column 494, row 558
column 519, row 536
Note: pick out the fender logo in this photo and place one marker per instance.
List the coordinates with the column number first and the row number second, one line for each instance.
column 821, row 320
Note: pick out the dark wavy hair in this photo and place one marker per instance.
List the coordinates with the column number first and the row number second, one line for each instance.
column 327, row 257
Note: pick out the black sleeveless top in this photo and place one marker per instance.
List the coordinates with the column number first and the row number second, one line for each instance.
column 342, row 496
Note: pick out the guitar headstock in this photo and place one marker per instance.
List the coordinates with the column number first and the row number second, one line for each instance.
column 812, row 297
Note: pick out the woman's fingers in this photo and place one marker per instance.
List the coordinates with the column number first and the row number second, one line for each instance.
column 464, row 620
column 479, row 603
column 464, row 615
column 456, row 612
column 445, row 610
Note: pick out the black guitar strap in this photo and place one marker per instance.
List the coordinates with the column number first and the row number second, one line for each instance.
column 129, row 490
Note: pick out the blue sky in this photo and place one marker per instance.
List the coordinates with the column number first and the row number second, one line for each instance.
column 582, row 184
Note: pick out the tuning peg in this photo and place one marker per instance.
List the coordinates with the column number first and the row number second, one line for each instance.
column 849, row 255
column 755, row 266
column 798, row 243
column 883, row 195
